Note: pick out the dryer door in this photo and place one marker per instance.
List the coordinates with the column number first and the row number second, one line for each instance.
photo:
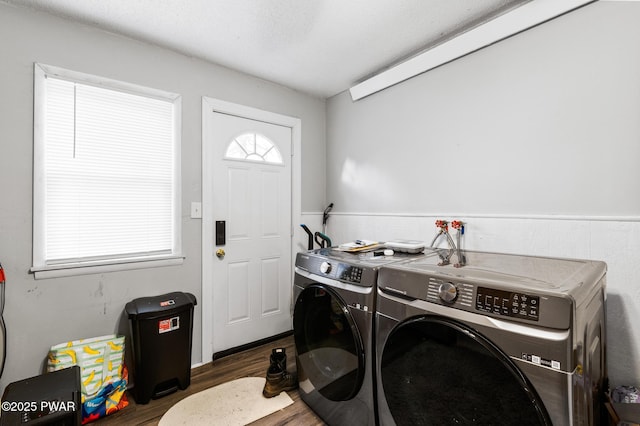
column 330, row 353
column 437, row 371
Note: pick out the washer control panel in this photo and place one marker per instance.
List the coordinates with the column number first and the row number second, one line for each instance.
column 507, row 303
column 484, row 292
column 450, row 293
column 498, row 302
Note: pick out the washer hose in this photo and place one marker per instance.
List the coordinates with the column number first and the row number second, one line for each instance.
column 443, row 229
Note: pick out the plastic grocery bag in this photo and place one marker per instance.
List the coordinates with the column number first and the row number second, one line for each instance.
column 103, row 374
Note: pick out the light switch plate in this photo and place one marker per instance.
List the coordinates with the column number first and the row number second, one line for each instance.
column 196, row 210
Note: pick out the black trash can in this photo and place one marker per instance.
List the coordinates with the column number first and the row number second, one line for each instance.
column 161, row 334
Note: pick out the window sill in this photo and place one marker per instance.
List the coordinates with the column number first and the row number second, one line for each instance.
column 69, row 270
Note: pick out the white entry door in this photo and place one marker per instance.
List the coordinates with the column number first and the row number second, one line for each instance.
column 251, row 209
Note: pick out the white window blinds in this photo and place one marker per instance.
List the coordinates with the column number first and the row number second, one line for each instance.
column 107, row 172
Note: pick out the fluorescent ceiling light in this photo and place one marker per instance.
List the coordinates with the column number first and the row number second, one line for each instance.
column 520, row 19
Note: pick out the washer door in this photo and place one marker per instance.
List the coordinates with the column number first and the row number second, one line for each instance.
column 330, row 354
column 437, row 371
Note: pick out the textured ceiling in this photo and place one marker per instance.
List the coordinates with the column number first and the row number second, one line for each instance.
column 320, row 47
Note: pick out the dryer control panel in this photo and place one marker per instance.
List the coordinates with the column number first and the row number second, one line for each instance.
column 341, row 271
column 326, row 267
column 350, row 273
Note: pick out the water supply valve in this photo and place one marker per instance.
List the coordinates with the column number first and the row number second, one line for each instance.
column 458, row 225
column 443, row 225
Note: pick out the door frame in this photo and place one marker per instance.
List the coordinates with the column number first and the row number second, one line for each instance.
column 210, row 105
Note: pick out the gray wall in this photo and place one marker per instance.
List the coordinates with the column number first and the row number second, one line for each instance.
column 534, row 142
column 545, row 122
column 42, row 313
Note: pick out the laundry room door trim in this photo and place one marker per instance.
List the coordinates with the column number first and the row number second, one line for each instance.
column 210, row 105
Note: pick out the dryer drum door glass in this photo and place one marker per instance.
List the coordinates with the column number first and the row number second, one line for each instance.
column 436, row 371
column 330, row 354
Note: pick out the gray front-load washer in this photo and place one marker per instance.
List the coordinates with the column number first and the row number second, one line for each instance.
column 506, row 339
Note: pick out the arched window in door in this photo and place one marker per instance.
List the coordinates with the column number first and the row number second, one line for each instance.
column 253, row 147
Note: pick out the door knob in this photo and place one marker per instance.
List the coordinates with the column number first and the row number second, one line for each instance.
column 220, row 253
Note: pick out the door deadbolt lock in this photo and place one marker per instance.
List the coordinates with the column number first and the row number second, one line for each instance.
column 220, row 253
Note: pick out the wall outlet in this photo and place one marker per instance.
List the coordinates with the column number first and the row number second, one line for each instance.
column 196, row 210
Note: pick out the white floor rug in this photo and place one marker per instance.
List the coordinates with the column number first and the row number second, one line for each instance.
column 238, row 402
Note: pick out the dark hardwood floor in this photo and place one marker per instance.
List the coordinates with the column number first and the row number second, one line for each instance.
column 250, row 363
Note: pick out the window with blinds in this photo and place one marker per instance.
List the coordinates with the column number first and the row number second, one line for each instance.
column 106, row 172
